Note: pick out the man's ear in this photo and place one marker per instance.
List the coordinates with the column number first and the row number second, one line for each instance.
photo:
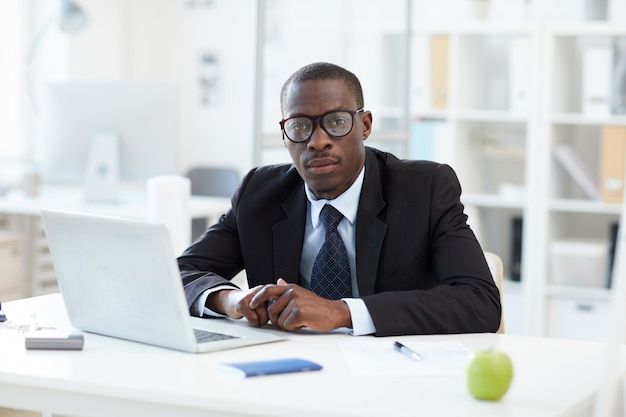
column 367, row 124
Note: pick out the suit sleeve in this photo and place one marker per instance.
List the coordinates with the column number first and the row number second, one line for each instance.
column 215, row 258
column 466, row 299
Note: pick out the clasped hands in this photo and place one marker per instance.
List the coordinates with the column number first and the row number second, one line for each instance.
column 288, row 306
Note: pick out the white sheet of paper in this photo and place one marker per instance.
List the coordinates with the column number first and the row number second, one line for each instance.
column 379, row 358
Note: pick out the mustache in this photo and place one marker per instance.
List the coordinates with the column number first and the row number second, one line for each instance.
column 320, row 155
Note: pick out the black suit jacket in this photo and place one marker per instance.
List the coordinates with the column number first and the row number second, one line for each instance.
column 419, row 266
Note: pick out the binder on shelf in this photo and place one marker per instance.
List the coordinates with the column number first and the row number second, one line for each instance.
column 619, row 76
column 597, row 67
column 579, row 262
column 596, row 10
column 517, row 225
column 431, row 140
column 478, row 9
column 616, row 12
column 439, row 72
column 576, row 169
column 519, row 56
column 613, row 233
column 554, row 11
column 439, row 12
column 421, row 141
column 420, row 88
column 392, row 58
column 612, row 163
column 508, row 10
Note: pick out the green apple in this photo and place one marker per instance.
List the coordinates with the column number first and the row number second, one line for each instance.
column 489, row 374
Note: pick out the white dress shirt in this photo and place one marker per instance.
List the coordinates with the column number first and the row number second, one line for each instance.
column 314, row 235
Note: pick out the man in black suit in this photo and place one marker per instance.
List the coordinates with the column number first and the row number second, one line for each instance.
column 347, row 236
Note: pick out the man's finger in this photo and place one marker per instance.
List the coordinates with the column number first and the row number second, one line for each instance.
column 279, row 304
column 250, row 315
column 281, row 282
column 262, row 315
column 267, row 293
column 289, row 317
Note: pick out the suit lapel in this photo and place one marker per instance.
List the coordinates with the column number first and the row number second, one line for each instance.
column 370, row 230
column 289, row 237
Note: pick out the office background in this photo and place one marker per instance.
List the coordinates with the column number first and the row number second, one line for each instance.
column 526, row 99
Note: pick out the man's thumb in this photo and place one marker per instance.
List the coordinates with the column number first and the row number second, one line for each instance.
column 281, row 282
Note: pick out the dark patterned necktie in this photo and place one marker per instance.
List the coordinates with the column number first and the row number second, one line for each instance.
column 330, row 277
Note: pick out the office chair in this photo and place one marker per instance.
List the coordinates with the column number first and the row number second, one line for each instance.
column 214, row 182
column 497, row 271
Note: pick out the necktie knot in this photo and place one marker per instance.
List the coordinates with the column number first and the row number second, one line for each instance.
column 330, row 217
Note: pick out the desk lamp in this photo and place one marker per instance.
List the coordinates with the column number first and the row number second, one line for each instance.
column 70, row 19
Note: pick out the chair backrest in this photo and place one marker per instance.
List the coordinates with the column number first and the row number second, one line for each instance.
column 497, row 271
column 213, row 181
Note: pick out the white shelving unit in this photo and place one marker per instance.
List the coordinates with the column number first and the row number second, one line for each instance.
column 490, row 87
column 574, row 311
column 487, row 131
column 11, row 285
column 26, row 266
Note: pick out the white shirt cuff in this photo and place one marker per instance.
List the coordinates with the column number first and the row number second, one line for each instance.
column 362, row 323
column 199, row 305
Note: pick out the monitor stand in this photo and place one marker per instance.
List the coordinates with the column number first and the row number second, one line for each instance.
column 103, row 167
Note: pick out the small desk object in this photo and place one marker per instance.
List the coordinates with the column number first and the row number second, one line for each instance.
column 112, row 377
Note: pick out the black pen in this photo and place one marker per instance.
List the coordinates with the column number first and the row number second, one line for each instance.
column 406, row 351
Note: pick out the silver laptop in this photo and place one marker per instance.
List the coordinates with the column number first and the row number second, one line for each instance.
column 120, row 278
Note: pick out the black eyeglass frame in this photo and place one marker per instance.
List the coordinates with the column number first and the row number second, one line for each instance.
column 315, row 120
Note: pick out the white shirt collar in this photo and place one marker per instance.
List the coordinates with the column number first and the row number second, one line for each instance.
column 347, row 203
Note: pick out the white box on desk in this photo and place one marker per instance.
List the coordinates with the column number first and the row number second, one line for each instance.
column 12, row 281
column 579, row 262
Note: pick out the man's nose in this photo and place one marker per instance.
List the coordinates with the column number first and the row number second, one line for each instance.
column 319, row 139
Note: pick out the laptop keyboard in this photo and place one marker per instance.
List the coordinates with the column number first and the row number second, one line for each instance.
column 203, row 336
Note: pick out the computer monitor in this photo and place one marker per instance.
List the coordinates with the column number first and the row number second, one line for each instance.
column 144, row 116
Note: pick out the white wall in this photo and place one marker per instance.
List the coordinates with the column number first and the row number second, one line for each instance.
column 164, row 40
column 11, row 78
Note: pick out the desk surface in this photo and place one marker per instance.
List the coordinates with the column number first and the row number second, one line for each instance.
column 113, row 377
column 132, row 203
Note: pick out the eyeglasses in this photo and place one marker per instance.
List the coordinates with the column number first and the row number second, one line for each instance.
column 336, row 123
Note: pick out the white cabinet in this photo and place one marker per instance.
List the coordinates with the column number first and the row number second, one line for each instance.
column 578, row 318
column 512, row 308
column 25, row 264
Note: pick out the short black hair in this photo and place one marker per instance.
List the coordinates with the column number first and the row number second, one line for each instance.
column 324, row 71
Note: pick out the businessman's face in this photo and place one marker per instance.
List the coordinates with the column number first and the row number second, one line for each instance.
column 329, row 165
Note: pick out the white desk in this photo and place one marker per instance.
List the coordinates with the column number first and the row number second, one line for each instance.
column 117, row 378
column 132, row 203
column 24, row 218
